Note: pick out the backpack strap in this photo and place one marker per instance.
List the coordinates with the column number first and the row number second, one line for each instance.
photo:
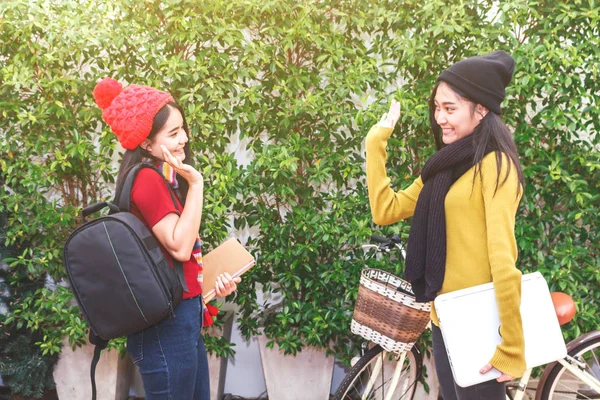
column 123, row 201
column 97, row 207
column 123, row 195
column 99, row 345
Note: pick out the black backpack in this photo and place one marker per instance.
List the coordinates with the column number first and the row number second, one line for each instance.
column 118, row 274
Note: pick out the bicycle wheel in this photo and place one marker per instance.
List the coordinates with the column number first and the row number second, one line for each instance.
column 562, row 384
column 356, row 382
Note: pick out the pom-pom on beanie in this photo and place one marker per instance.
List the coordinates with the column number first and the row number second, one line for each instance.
column 129, row 112
column 482, row 78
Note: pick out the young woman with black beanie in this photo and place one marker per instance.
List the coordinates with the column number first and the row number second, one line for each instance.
column 463, row 206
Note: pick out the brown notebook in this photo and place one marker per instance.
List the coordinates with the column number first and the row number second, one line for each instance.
column 230, row 256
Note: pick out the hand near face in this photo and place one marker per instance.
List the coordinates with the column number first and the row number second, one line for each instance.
column 389, row 119
column 225, row 285
column 191, row 175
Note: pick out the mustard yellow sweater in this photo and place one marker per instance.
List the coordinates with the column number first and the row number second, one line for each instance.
column 481, row 246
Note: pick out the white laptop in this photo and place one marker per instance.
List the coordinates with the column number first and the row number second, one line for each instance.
column 470, row 327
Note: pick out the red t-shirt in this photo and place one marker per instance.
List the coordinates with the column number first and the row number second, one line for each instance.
column 151, row 202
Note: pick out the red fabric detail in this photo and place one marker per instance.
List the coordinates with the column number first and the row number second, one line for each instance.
column 151, row 202
column 105, row 92
column 130, row 112
column 209, row 312
column 150, row 196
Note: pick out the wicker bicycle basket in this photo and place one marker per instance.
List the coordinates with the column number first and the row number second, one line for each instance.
column 386, row 312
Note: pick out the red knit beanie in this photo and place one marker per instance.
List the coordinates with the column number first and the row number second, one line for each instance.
column 130, row 111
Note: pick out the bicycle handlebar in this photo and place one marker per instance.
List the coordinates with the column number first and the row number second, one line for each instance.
column 386, row 244
column 380, row 239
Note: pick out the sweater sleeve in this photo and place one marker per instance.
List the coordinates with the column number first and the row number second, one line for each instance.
column 501, row 206
column 387, row 206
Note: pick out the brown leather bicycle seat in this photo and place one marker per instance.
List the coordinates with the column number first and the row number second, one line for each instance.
column 564, row 307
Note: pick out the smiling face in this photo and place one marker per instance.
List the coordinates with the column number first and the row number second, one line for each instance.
column 172, row 135
column 457, row 117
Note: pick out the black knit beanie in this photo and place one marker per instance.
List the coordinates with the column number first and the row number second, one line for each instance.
column 482, row 78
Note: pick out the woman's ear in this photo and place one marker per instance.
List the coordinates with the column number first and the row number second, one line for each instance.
column 481, row 111
column 146, row 144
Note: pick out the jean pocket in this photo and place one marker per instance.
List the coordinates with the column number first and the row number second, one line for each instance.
column 135, row 347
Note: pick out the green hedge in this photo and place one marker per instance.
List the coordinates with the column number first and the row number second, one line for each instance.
column 297, row 84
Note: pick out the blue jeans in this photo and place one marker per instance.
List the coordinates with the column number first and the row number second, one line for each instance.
column 171, row 356
column 490, row 390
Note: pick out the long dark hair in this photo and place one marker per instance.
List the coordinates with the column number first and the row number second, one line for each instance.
column 135, row 157
column 494, row 135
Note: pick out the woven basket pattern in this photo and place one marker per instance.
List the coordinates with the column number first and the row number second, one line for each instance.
column 385, row 313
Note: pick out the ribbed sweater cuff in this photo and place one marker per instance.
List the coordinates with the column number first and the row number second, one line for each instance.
column 379, row 133
column 513, row 365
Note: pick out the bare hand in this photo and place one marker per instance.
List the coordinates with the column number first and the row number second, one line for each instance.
column 191, row 175
column 389, row 119
column 502, row 378
column 225, row 285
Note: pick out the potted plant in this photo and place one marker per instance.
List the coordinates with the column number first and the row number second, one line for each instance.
column 303, row 197
column 308, row 259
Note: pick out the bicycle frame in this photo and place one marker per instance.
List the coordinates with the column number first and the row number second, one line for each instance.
column 377, row 370
column 400, row 357
column 571, row 365
column 522, row 386
column 546, row 385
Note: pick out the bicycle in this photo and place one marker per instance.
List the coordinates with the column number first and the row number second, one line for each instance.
column 577, row 376
column 379, row 374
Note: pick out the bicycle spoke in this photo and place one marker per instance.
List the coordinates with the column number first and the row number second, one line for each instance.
column 566, row 392
column 373, row 376
column 597, row 365
column 374, row 383
column 570, row 386
column 381, row 390
column 396, row 376
column 404, row 391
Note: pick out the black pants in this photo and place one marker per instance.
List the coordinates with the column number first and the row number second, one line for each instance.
column 491, row 390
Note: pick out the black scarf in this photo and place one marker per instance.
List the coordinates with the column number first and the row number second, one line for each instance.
column 426, row 252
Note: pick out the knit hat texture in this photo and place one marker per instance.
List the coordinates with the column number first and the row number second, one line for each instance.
column 482, row 78
column 129, row 112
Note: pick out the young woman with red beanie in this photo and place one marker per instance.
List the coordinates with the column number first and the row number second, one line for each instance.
column 463, row 206
column 151, row 127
